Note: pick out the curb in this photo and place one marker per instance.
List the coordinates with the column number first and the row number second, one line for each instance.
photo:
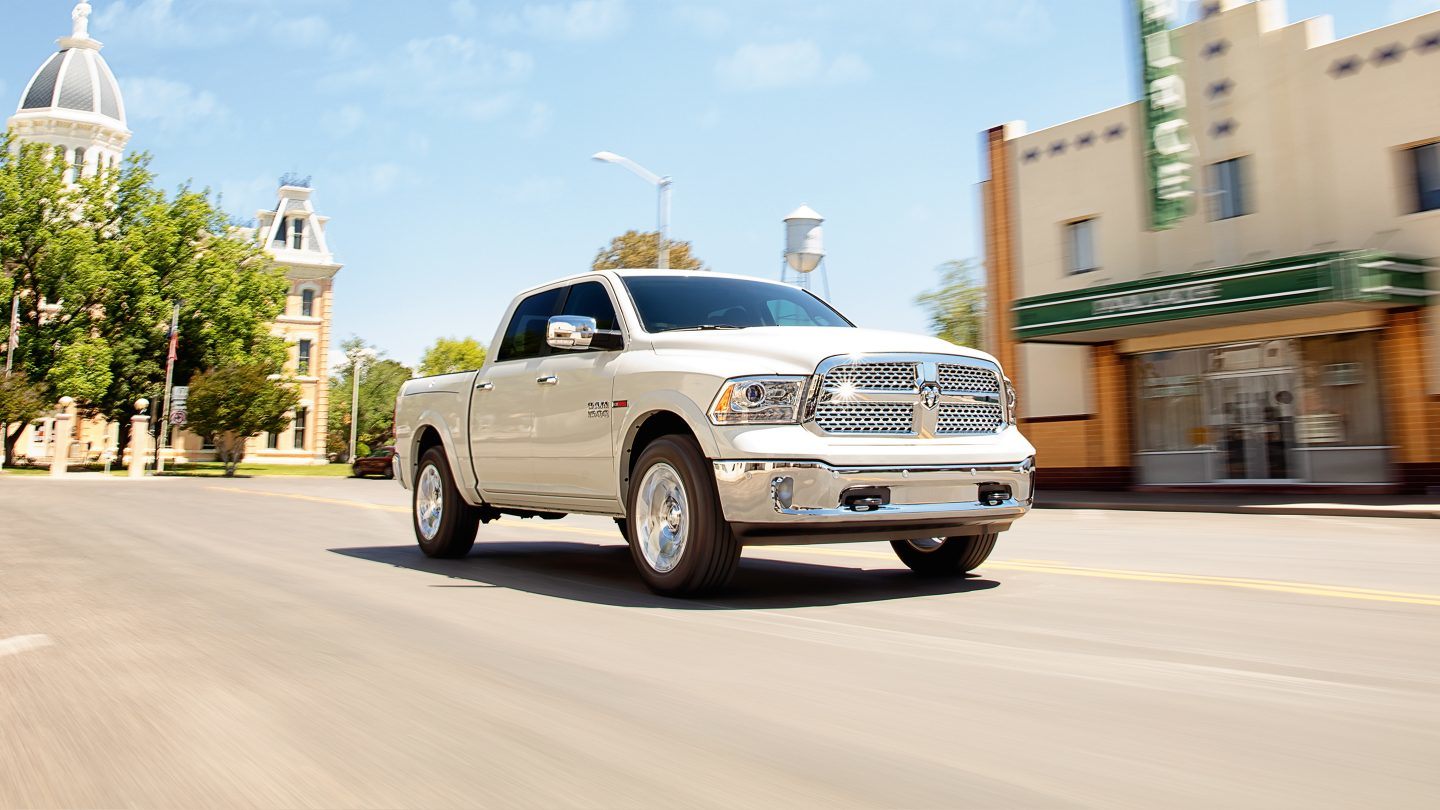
column 1321, row 510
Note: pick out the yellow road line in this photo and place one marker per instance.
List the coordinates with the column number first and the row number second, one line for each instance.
column 1028, row 566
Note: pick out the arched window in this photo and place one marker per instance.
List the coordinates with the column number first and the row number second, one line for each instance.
column 298, row 229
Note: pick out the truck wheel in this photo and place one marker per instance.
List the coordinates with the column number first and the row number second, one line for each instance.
column 945, row 556
column 678, row 534
column 444, row 524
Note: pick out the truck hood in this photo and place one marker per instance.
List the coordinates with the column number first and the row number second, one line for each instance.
column 799, row 349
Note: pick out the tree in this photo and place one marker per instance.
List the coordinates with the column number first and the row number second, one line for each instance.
column 380, row 382
column 452, row 354
column 637, row 249
column 20, row 401
column 236, row 402
column 957, row 306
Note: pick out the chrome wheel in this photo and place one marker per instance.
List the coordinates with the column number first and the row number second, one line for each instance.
column 662, row 519
column 429, row 502
column 927, row 544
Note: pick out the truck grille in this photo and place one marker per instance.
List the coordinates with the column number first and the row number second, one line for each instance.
column 887, row 397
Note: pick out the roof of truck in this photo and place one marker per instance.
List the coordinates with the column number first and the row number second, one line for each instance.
column 627, row 273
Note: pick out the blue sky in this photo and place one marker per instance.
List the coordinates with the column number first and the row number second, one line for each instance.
column 449, row 140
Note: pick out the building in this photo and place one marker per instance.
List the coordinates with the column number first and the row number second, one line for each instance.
column 1232, row 282
column 74, row 102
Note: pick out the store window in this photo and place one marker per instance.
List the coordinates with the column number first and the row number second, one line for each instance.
column 1425, row 165
column 1340, row 392
column 1080, row 246
column 1228, row 192
column 1170, row 414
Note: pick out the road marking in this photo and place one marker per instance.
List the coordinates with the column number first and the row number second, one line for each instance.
column 1030, row 566
column 19, row 644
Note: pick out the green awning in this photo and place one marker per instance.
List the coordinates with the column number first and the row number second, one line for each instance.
column 1313, row 284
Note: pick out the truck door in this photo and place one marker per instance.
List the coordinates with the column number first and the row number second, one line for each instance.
column 502, row 409
column 574, row 442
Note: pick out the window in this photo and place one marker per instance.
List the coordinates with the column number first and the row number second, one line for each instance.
column 307, row 303
column 298, row 229
column 79, row 164
column 702, row 301
column 272, row 441
column 283, row 234
column 525, row 336
column 1227, row 189
column 300, row 414
column 302, row 363
column 591, row 300
column 1080, row 246
column 1426, row 165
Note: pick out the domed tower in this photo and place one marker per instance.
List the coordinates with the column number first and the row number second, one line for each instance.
column 74, row 103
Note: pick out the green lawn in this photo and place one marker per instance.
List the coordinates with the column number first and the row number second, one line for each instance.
column 205, row 469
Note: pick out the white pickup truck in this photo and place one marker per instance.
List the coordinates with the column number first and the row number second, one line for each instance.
column 706, row 412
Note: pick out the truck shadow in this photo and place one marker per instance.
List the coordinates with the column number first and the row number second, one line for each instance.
column 605, row 574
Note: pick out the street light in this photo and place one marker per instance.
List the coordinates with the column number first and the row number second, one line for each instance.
column 662, row 184
column 359, row 356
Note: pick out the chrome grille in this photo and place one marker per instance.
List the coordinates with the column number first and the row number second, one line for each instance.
column 873, row 376
column 967, row 418
column 967, row 378
column 865, row 417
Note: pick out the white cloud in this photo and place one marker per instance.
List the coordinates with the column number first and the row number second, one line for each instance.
column 170, row 104
column 1405, row 9
column 707, row 21
column 347, row 120
column 788, row 64
column 448, row 73
column 463, row 10
column 573, row 21
column 204, row 25
column 242, row 198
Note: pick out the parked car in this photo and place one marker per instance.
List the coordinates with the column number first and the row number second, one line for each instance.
column 377, row 463
column 706, row 412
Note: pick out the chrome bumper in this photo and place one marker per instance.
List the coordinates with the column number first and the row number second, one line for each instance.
column 799, row 492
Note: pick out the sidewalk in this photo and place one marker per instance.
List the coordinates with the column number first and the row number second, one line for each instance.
column 1393, row 506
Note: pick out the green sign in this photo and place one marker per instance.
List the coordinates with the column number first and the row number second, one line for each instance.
column 1361, row 278
column 1167, row 135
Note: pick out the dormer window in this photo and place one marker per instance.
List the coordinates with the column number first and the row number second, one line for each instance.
column 298, row 232
column 283, row 234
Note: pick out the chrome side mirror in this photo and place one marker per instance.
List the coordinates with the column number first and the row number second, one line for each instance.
column 573, row 332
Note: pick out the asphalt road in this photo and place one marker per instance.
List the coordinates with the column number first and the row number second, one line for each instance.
column 282, row 643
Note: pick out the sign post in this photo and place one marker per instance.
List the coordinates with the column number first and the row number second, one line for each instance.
column 169, row 395
column 1167, row 135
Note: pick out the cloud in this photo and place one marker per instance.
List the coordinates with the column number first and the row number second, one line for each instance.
column 575, row 21
column 787, row 64
column 537, row 120
column 449, row 74
column 463, row 10
column 1405, row 9
column 170, row 104
column 347, row 120
column 204, row 25
column 535, row 190
column 707, row 21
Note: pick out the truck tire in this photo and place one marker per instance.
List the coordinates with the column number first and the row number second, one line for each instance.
column 444, row 523
column 945, row 556
column 677, row 531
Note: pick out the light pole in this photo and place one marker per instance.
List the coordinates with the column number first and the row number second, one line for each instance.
column 662, row 184
column 359, row 356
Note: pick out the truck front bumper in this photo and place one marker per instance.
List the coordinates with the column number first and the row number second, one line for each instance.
column 777, row 501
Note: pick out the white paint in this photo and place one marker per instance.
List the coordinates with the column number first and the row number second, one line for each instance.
column 19, row 644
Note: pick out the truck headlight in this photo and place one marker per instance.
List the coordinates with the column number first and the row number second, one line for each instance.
column 767, row 400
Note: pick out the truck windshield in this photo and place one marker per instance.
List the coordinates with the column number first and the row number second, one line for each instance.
column 699, row 301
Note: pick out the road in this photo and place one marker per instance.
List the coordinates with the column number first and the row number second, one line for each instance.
column 281, row 642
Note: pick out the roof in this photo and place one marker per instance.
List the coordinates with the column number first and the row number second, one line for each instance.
column 75, row 79
column 634, row 272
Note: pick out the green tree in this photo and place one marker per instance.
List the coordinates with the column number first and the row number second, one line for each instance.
column 236, row 402
column 956, row 306
column 452, row 354
column 21, row 401
column 99, row 264
column 642, row 249
column 380, row 382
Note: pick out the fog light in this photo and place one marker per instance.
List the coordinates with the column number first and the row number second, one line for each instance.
column 994, row 494
column 782, row 490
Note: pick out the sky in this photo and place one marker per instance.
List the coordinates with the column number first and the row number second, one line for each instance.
column 449, row 140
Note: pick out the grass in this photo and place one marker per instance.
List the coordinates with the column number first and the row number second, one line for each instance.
column 207, row 469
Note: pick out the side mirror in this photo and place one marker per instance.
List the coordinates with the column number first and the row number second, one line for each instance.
column 573, row 332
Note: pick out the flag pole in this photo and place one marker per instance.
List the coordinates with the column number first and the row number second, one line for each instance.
column 169, row 378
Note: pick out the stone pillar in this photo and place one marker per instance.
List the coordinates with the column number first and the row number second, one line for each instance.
column 139, row 444
column 60, row 454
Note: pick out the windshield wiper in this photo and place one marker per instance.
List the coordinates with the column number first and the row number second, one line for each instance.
column 706, row 327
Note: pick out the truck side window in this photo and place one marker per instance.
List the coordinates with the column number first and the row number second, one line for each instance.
column 525, row 336
column 590, row 299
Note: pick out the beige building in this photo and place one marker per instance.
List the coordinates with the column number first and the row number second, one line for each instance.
column 74, row 103
column 1244, row 298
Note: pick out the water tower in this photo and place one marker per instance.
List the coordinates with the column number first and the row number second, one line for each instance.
column 804, row 249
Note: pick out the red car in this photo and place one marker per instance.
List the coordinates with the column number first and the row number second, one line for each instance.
column 377, row 463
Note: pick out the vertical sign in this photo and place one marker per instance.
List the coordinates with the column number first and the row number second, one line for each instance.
column 1167, row 136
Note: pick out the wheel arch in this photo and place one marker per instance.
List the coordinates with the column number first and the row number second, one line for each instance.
column 645, row 429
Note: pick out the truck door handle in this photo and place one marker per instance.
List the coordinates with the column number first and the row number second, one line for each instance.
column 548, row 379
column 484, row 385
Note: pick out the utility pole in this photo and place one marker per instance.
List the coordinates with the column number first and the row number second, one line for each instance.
column 169, row 378
column 359, row 356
